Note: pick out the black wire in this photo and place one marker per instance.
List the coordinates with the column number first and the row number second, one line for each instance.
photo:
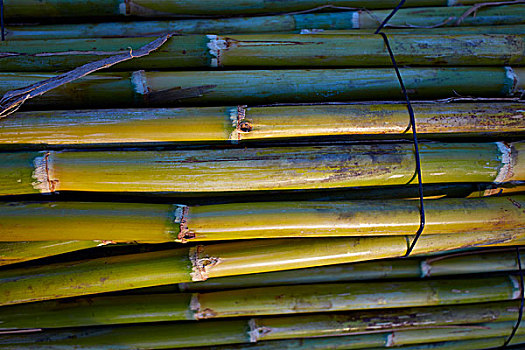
column 385, row 21
column 422, row 218
column 522, row 295
column 2, row 19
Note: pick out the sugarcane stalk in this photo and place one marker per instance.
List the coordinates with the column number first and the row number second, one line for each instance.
column 268, row 50
column 405, row 18
column 115, row 273
column 151, row 223
column 21, row 9
column 100, row 311
column 83, row 127
column 14, row 252
column 510, row 29
column 260, row 301
column 450, row 264
column 412, row 339
column 140, row 88
column 163, row 337
column 258, row 169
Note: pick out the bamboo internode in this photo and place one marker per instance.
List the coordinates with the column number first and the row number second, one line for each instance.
column 126, row 222
column 140, row 88
column 342, row 20
column 251, row 169
column 115, row 273
column 240, row 123
column 277, row 50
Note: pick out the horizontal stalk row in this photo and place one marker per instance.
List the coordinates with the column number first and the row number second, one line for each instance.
column 129, row 222
column 99, row 8
column 242, row 123
column 140, row 88
column 279, row 300
column 116, row 273
column 252, row 169
column 356, row 19
column 263, row 51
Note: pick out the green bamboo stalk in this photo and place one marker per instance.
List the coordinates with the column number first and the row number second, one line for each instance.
column 408, row 17
column 139, row 88
column 62, row 280
column 472, row 344
column 511, row 29
column 15, row 9
column 14, row 252
column 83, row 127
column 151, row 223
column 258, row 169
column 412, row 339
column 268, row 50
column 163, row 336
column 278, row 300
column 417, row 267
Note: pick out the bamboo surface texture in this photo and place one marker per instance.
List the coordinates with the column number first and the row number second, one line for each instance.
column 128, row 222
column 251, row 169
column 14, row 252
column 140, row 88
column 110, row 311
column 116, row 273
column 511, row 29
column 279, row 300
column 240, row 123
column 360, row 19
column 162, row 337
column 15, row 9
column 270, row 50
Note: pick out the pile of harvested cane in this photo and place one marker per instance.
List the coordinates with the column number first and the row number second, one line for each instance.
column 345, row 174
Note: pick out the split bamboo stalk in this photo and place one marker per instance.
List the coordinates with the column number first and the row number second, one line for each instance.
column 162, row 336
column 21, row 9
column 83, row 127
column 268, row 50
column 98, row 311
column 258, row 169
column 14, row 252
column 154, row 223
column 360, row 19
column 280, row 300
column 116, row 273
column 140, row 88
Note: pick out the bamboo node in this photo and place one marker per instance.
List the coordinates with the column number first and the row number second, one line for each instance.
column 506, row 170
column 181, row 218
column 239, row 126
column 201, row 263
column 199, row 314
column 216, row 45
column 44, row 174
column 256, row 331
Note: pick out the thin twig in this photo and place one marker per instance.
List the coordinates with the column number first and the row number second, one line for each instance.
column 13, row 100
column 475, row 8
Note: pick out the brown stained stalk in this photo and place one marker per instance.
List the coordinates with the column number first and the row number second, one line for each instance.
column 13, row 100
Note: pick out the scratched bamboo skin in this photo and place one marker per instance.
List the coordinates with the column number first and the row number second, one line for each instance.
column 106, row 311
column 270, row 50
column 15, row 9
column 15, row 252
column 405, row 17
column 139, row 88
column 116, row 273
column 82, row 127
column 127, row 222
column 258, row 169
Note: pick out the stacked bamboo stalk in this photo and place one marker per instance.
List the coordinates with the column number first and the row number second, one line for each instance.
column 248, row 180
